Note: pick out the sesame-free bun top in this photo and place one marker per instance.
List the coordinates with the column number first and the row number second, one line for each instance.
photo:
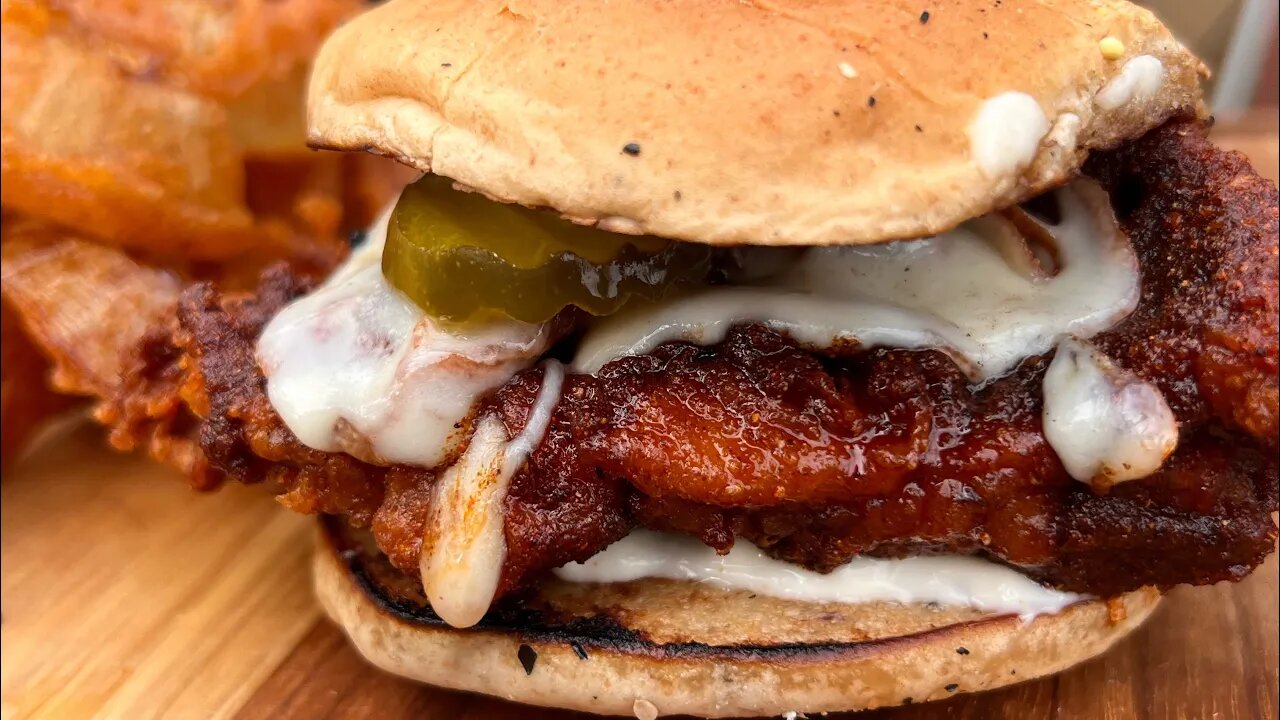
column 790, row 122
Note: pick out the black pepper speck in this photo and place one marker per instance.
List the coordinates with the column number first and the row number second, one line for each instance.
column 985, row 36
column 919, row 129
column 908, row 700
column 677, row 195
column 528, row 658
column 962, row 651
column 952, row 687
column 632, row 149
column 446, row 65
column 578, row 650
column 356, row 238
column 924, row 17
column 871, row 101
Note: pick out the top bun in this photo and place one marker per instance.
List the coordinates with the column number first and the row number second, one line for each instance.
column 728, row 122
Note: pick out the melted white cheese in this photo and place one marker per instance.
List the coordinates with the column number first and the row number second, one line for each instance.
column 1006, row 133
column 463, row 544
column 946, row 580
column 357, row 367
column 1105, row 424
column 1139, row 79
column 971, row 292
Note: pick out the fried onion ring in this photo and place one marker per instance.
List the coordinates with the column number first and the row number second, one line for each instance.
column 103, row 136
column 82, row 304
column 217, row 48
column 26, row 400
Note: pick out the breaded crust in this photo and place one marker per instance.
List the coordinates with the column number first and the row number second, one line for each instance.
column 1204, row 333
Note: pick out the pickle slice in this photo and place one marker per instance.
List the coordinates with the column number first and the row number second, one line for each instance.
column 465, row 259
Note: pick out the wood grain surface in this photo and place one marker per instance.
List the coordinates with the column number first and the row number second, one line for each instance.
column 125, row 595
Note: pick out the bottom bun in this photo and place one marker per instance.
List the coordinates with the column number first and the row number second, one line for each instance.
column 660, row 647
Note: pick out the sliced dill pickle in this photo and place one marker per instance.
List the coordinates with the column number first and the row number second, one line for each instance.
column 466, row 259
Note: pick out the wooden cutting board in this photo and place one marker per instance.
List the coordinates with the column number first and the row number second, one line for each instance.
column 125, row 595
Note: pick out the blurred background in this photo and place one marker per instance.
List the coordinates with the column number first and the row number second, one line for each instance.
column 1237, row 39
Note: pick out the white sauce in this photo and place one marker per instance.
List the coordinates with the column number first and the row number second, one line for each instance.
column 1139, row 79
column 1065, row 132
column 356, row 367
column 971, row 292
column 463, row 544
column 1106, row 424
column 539, row 419
column 946, row 580
column 1006, row 133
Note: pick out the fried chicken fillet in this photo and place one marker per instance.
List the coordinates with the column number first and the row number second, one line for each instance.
column 817, row 458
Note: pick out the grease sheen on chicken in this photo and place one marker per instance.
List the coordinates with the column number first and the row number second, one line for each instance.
column 820, row 458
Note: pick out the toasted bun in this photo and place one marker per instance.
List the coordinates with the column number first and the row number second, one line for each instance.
column 661, row 647
column 721, row 122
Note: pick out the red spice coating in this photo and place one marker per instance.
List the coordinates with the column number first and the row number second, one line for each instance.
column 819, row 458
